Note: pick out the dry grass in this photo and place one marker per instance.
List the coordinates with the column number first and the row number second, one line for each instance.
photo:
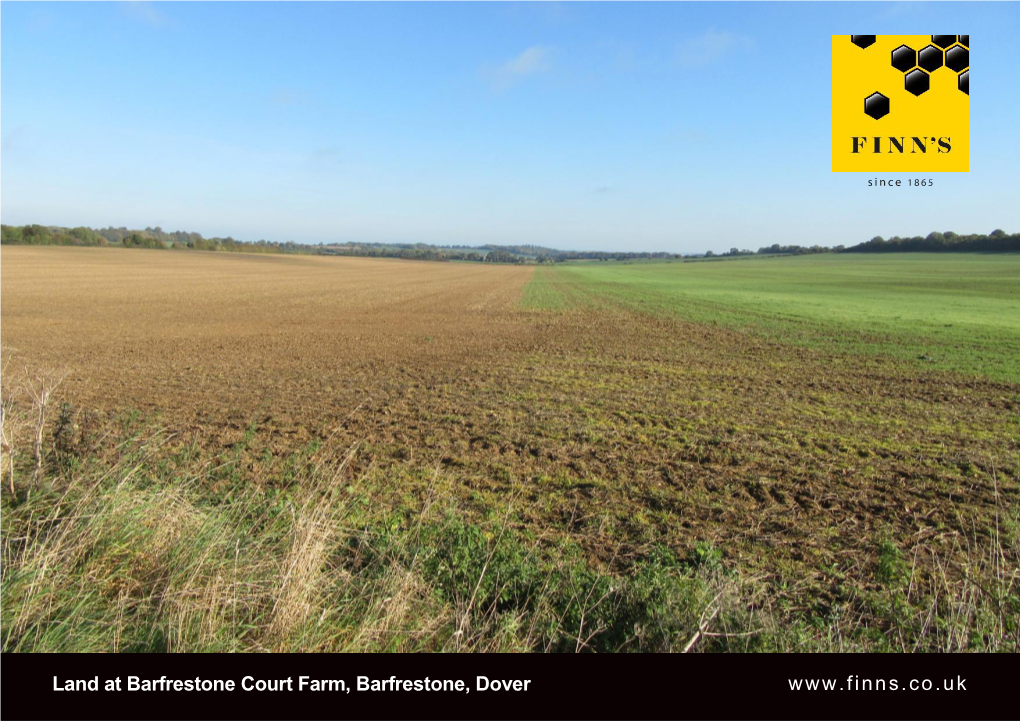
column 128, row 550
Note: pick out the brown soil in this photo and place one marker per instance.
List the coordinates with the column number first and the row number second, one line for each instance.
column 618, row 430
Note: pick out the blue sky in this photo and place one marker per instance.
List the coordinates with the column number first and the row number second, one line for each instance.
column 660, row 126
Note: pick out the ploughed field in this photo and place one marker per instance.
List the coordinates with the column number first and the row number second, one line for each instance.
column 814, row 422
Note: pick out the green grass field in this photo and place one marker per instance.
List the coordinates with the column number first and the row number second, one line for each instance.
column 957, row 312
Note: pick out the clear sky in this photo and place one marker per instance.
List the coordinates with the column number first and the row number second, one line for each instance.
column 660, row 126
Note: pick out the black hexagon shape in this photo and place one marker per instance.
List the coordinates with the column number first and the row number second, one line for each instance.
column 964, row 81
column 863, row 41
column 930, row 58
column 965, row 40
column 943, row 41
column 958, row 58
column 876, row 105
column 904, row 58
column 916, row 82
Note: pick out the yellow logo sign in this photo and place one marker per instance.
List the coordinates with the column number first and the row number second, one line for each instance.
column 900, row 103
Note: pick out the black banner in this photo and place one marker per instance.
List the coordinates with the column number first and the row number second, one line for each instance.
column 510, row 687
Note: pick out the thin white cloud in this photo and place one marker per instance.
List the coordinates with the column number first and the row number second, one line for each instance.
column 147, row 13
column 532, row 61
column 710, row 46
column 896, row 10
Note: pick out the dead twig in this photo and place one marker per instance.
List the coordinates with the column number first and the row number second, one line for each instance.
column 704, row 623
column 41, row 391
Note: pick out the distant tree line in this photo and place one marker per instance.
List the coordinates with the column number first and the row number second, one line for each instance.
column 416, row 251
column 43, row 235
column 774, row 249
column 152, row 238
column 997, row 241
column 157, row 238
column 541, row 254
column 777, row 249
column 563, row 255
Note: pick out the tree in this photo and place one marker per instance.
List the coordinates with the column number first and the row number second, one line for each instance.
column 137, row 240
